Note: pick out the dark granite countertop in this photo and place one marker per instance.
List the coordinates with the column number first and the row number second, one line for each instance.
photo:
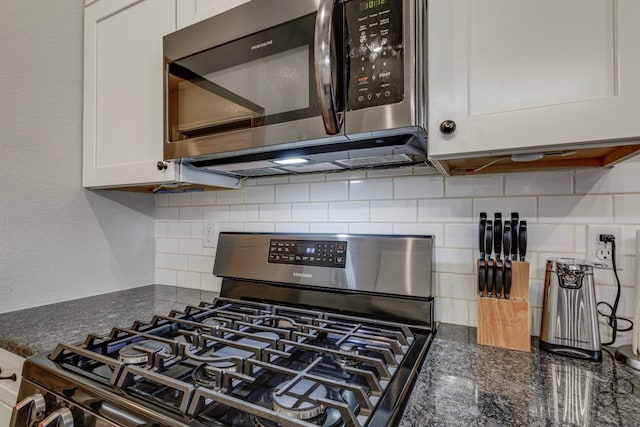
column 34, row 330
column 464, row 384
column 460, row 383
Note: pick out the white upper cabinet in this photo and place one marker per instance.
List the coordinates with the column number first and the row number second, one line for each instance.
column 524, row 76
column 123, row 97
column 192, row 11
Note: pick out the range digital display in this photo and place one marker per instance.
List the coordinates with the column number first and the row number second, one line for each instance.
column 305, row 248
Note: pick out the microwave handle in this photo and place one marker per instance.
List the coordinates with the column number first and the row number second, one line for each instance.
column 331, row 117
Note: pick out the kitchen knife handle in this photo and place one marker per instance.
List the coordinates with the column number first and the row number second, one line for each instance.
column 514, row 235
column 482, row 275
column 522, row 242
column 506, row 239
column 499, row 277
column 497, row 235
column 508, row 275
column 481, row 231
column 488, row 238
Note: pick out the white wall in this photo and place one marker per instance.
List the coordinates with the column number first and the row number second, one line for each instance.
column 557, row 205
column 57, row 241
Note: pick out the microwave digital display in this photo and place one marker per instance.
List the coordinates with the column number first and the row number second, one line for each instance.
column 371, row 4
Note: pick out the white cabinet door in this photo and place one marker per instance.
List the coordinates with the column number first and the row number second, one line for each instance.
column 123, row 101
column 520, row 75
column 192, row 11
column 10, row 364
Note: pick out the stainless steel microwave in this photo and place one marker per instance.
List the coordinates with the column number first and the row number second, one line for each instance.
column 293, row 86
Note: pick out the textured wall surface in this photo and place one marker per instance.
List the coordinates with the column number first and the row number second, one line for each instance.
column 57, row 241
column 557, row 205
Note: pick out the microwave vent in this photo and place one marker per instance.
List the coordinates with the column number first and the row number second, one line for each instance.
column 361, row 162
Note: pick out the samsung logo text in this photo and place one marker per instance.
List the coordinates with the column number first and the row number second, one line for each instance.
column 261, row 45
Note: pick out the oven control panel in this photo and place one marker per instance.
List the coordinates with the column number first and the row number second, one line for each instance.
column 312, row 253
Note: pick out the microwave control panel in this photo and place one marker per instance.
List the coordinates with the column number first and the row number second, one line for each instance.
column 375, row 53
column 311, row 253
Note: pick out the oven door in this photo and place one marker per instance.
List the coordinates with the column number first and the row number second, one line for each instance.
column 250, row 92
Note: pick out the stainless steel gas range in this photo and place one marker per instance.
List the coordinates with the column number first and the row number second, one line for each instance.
column 309, row 330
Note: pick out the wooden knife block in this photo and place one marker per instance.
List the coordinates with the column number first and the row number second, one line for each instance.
column 506, row 322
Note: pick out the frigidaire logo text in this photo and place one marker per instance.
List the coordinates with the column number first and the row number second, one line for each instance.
column 307, row 275
column 261, row 45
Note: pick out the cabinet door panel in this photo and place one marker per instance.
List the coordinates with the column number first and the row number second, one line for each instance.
column 192, row 11
column 123, row 91
column 518, row 75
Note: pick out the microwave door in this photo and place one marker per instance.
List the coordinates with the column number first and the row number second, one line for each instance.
column 211, row 108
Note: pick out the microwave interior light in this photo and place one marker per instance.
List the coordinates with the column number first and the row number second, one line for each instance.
column 293, row 161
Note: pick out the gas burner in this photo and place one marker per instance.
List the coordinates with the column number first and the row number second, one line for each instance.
column 138, row 353
column 299, row 400
column 352, row 350
column 210, row 374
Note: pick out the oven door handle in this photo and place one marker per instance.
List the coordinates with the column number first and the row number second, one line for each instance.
column 330, row 99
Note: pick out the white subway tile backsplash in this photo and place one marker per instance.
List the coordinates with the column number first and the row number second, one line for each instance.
column 456, row 286
column 166, row 277
column 329, row 191
column 216, row 213
column 209, row 282
column 167, row 245
column 444, row 210
column 525, row 206
column 349, row 211
column 188, row 279
column 162, row 199
column 259, row 227
column 621, row 179
column 461, row 235
column 550, row 237
column 162, row 229
column 202, row 264
column 292, row 227
column 191, row 246
column 310, row 212
column 627, row 208
column 193, row 213
column 370, row 228
column 535, row 184
column 460, row 261
column 292, row 193
column 197, row 230
column 418, row 187
column 275, row 212
column 230, row 197
column 576, row 209
column 180, row 199
column 329, row 227
column 422, row 229
column 558, row 206
column 178, row 229
column 371, row 189
column 244, row 213
column 259, row 194
column 167, row 214
column 394, row 211
column 176, row 262
column 474, row 186
column 202, row 198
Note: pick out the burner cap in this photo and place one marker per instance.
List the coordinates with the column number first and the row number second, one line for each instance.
column 208, row 373
column 299, row 401
column 350, row 349
column 221, row 365
column 138, row 352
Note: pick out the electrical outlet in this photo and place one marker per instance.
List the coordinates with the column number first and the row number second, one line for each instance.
column 600, row 252
column 210, row 235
